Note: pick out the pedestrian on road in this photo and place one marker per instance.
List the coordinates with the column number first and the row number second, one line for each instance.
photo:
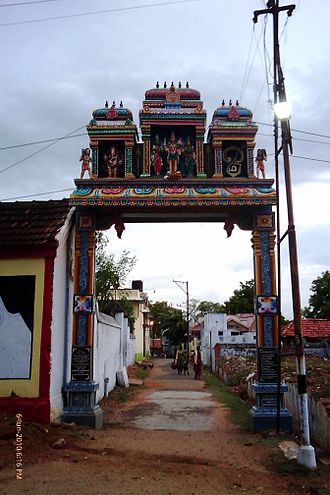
column 180, row 360
column 186, row 364
column 198, row 363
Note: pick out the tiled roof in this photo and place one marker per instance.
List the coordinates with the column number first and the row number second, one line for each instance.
column 246, row 320
column 311, row 327
column 32, row 223
column 197, row 327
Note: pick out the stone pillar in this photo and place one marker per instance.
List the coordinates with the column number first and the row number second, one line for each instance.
column 81, row 405
column 218, row 161
column 263, row 414
column 146, row 150
column 250, row 164
column 129, row 161
column 95, row 158
column 200, row 151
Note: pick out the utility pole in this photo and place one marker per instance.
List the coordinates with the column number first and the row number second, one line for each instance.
column 306, row 453
column 177, row 282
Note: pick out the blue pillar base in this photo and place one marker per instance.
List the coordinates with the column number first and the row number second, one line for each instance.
column 81, row 404
column 92, row 417
column 263, row 416
column 261, row 420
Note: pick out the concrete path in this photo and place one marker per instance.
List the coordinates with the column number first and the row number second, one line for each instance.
column 180, row 402
column 170, row 438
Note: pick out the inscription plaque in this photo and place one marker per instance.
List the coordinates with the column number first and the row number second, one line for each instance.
column 81, row 363
column 268, row 401
column 268, row 364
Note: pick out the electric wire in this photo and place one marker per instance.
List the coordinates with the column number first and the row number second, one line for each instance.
column 251, row 65
column 310, row 133
column 247, row 64
column 45, row 193
column 314, row 141
column 96, row 12
column 39, row 151
column 17, row 4
column 31, row 143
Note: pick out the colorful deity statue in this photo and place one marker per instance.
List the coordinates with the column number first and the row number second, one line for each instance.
column 260, row 159
column 156, row 158
column 113, row 161
column 86, row 162
column 190, row 156
column 173, row 155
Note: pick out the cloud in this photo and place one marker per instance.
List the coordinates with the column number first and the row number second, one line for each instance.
column 55, row 73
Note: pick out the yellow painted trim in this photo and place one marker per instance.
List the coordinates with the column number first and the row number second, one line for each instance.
column 12, row 267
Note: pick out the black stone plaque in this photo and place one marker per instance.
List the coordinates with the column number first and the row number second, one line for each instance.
column 81, row 363
column 268, row 364
column 268, row 400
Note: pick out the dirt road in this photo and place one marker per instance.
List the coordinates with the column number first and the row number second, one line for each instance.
column 172, row 437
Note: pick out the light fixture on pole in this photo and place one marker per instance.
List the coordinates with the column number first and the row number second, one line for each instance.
column 306, row 453
column 282, row 110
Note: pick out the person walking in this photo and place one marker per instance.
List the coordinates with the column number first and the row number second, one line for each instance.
column 180, row 360
column 198, row 364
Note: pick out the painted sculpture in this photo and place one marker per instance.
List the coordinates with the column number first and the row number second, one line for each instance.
column 260, row 160
column 156, row 157
column 190, row 158
column 173, row 156
column 86, row 162
column 113, row 161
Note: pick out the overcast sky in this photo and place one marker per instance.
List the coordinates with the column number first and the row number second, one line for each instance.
column 56, row 72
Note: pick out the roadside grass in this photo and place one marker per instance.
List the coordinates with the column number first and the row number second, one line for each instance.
column 141, row 373
column 240, row 413
column 239, row 409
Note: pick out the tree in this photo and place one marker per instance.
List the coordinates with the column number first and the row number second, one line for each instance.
column 208, row 307
column 110, row 274
column 169, row 320
column 319, row 301
column 242, row 300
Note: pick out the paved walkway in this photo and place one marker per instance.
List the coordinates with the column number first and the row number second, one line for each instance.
column 170, row 438
column 179, row 403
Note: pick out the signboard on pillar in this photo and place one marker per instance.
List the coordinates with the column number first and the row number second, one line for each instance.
column 81, row 363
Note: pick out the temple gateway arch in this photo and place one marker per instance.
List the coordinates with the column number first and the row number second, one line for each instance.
column 178, row 173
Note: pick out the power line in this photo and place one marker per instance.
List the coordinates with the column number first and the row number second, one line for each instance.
column 39, row 151
column 298, row 130
column 248, row 72
column 26, row 3
column 96, row 12
column 247, row 64
column 37, row 194
column 314, row 141
column 311, row 159
column 31, row 143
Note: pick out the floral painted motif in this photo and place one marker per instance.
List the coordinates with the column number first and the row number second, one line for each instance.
column 174, row 190
column 144, row 190
column 205, row 190
column 112, row 190
column 83, row 191
column 237, row 190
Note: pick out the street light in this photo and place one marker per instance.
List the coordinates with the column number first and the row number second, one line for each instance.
column 282, row 110
column 306, row 453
